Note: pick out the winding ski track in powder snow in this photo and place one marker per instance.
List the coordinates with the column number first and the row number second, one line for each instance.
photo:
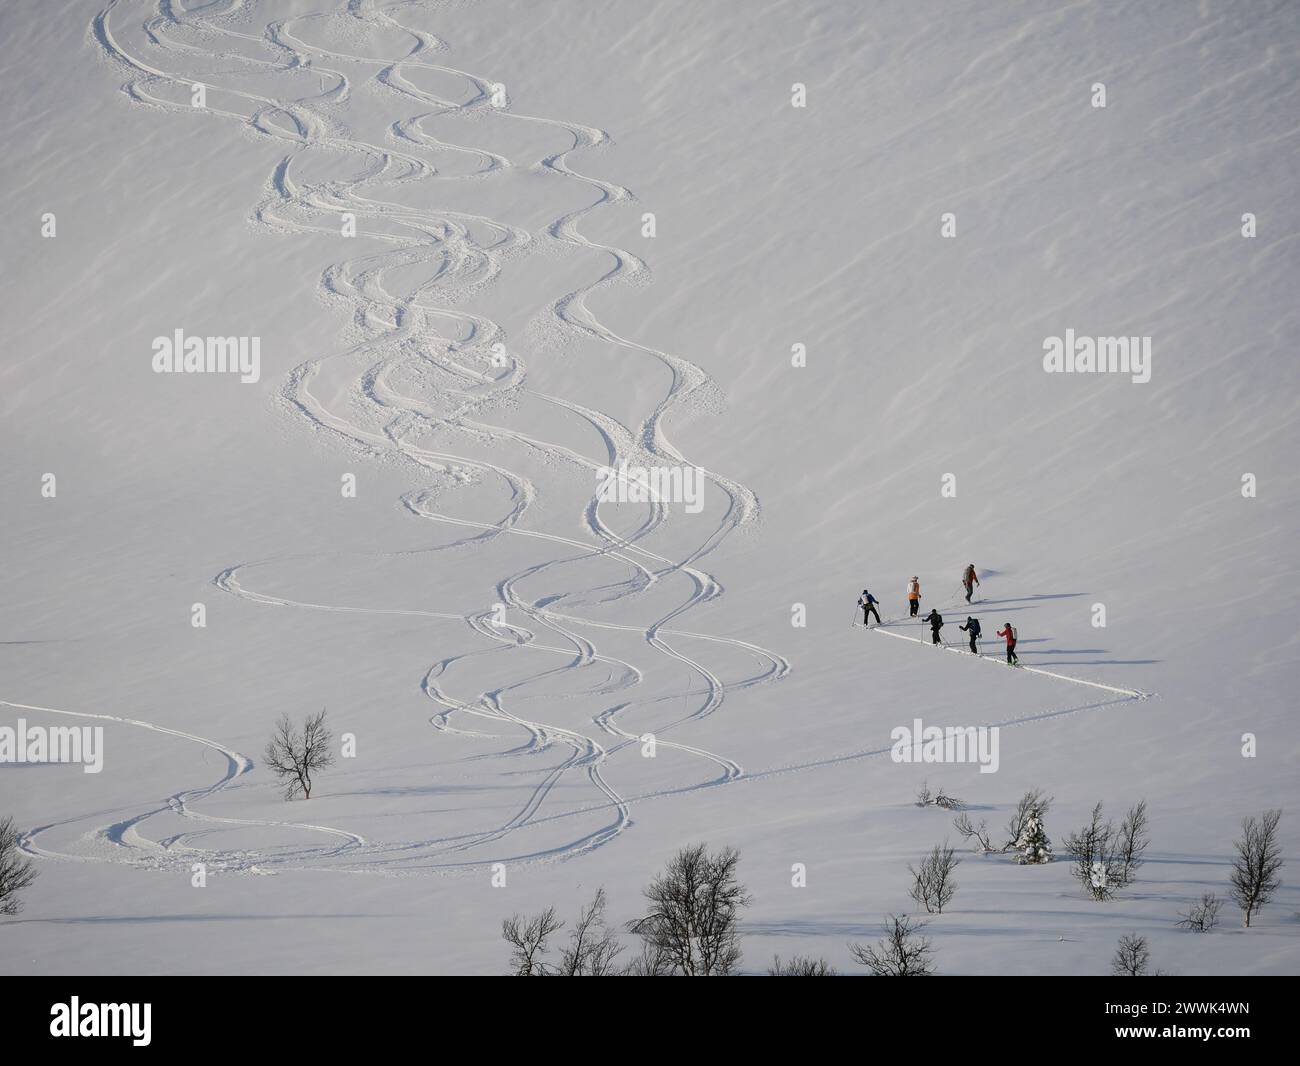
column 467, row 251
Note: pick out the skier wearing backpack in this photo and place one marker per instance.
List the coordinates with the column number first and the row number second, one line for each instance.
column 936, row 623
column 970, row 581
column 972, row 627
column 1010, row 633
column 868, row 604
column 914, row 594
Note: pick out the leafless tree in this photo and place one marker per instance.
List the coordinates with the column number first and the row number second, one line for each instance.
column 903, row 952
column 1106, row 858
column 528, row 937
column 592, row 945
column 591, row 950
column 1133, row 840
column 970, row 831
column 933, row 885
column 801, row 966
column 1131, row 958
column 293, row 757
column 16, row 870
column 692, row 927
column 1255, row 869
column 654, row 961
column 1087, row 848
column 1202, row 916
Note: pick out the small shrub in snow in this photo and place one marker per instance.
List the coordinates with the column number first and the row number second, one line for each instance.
column 902, row 953
column 800, row 966
column 1131, row 958
column 1203, row 916
column 926, row 798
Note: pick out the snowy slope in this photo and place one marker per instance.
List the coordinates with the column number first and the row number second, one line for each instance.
column 521, row 225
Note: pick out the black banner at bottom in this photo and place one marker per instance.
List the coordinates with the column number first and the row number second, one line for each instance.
column 341, row 1014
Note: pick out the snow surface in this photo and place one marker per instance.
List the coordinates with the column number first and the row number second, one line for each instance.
column 522, row 224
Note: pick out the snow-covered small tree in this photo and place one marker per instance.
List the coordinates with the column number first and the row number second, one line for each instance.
column 1033, row 845
column 1035, row 802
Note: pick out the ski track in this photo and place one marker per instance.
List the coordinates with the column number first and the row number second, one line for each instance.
column 398, row 329
column 468, row 251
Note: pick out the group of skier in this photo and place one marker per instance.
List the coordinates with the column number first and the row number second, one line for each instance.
column 969, row 580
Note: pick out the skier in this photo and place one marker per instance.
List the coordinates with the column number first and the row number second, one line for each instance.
column 868, row 604
column 1010, row 633
column 970, row 581
column 972, row 627
column 914, row 594
column 936, row 623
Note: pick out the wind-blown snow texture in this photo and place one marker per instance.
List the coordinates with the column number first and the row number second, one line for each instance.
column 521, row 226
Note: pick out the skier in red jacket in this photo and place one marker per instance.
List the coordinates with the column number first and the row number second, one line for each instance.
column 1010, row 633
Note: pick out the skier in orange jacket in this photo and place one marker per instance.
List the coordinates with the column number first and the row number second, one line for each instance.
column 914, row 594
column 970, row 581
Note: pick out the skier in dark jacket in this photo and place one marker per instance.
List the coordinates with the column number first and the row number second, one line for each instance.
column 972, row 627
column 868, row 604
column 936, row 623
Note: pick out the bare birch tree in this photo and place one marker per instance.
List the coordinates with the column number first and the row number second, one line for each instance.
column 692, row 926
column 16, row 870
column 293, row 756
column 528, row 938
column 1254, row 876
column 1131, row 958
column 933, row 885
